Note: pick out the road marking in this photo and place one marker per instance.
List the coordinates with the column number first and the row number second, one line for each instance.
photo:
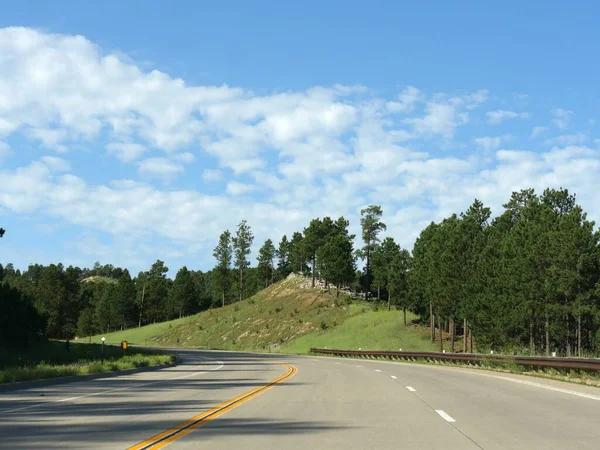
column 358, row 366
column 62, row 400
column 172, row 434
column 445, row 416
column 394, row 377
column 545, row 386
column 411, row 389
column 377, row 370
column 339, row 363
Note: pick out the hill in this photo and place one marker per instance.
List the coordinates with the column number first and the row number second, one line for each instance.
column 285, row 317
column 99, row 279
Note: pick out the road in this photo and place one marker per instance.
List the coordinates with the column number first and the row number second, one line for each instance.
column 316, row 403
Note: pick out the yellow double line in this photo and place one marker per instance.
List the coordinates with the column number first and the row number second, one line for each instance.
column 178, row 431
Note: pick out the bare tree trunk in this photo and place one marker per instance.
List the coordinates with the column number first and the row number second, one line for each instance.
column 568, row 338
column 142, row 306
column 465, row 335
column 470, row 341
column 531, row 340
column 223, row 297
column 431, row 322
column 368, row 274
column 378, row 293
column 452, row 335
column 241, row 283
column 547, row 334
column 441, row 335
column 314, row 262
column 404, row 313
column 579, row 335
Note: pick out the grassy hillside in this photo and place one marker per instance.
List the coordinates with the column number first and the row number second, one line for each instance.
column 374, row 330
column 141, row 336
column 287, row 318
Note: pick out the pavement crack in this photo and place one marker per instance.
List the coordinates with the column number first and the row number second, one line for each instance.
column 452, row 424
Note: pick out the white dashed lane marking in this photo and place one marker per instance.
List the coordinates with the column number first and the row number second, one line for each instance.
column 445, row 415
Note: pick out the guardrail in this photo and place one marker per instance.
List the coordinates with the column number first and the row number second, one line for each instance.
column 474, row 358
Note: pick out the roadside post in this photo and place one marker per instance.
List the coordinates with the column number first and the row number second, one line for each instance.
column 124, row 346
column 103, row 339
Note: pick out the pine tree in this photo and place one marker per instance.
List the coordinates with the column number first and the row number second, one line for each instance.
column 223, row 253
column 335, row 256
column 183, row 294
column 371, row 227
column 313, row 239
column 241, row 247
column 382, row 258
column 266, row 257
column 283, row 257
column 398, row 280
column 297, row 253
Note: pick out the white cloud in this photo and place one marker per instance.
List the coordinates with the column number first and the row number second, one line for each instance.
column 498, row 116
column 300, row 154
column 441, row 118
column 211, row 175
column 562, row 117
column 406, row 100
column 236, row 188
column 474, row 100
column 56, row 164
column 489, row 143
column 537, row 131
column 161, row 168
column 567, row 139
column 62, row 88
column 126, row 152
column 185, row 157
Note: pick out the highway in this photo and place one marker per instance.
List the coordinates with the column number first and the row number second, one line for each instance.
column 218, row 400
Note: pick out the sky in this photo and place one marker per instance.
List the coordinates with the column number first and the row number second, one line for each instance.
column 140, row 130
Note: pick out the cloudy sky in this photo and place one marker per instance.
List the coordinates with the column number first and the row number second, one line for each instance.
column 132, row 131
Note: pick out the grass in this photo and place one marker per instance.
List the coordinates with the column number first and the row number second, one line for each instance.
column 138, row 336
column 53, row 359
column 374, row 330
column 275, row 315
column 286, row 318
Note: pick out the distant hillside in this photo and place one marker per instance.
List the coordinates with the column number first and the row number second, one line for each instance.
column 99, row 279
column 286, row 315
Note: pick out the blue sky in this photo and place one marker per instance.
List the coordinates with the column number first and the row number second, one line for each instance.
column 131, row 131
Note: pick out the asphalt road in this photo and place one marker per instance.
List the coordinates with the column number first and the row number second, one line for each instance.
column 328, row 403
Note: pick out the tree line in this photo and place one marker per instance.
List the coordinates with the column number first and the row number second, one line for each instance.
column 60, row 302
column 527, row 280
